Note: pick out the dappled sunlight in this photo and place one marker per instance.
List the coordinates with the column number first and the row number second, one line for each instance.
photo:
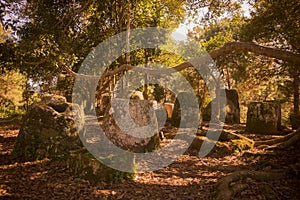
column 162, row 100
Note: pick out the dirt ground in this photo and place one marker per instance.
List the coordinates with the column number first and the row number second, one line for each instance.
column 188, row 178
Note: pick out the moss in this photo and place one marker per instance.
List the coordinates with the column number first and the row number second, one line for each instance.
column 241, row 145
column 49, row 133
column 24, row 152
column 83, row 165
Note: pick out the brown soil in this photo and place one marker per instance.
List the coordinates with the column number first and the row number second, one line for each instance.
column 188, row 178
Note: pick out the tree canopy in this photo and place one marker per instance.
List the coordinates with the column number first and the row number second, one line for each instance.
column 42, row 39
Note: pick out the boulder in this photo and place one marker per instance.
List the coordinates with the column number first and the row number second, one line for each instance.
column 52, row 129
column 84, row 165
column 49, row 129
column 231, row 108
column 161, row 115
column 132, row 125
column 186, row 111
column 264, row 117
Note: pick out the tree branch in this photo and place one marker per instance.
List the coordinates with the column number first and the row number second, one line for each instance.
column 257, row 49
column 226, row 49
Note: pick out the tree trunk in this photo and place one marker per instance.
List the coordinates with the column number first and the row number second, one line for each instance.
column 145, row 92
column 128, row 33
column 296, row 116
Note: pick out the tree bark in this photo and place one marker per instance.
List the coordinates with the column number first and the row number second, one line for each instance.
column 286, row 56
column 296, row 93
column 257, row 49
column 226, row 49
column 128, row 32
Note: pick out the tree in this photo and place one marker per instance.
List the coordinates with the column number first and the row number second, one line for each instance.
column 53, row 38
column 276, row 23
column 11, row 81
column 43, row 52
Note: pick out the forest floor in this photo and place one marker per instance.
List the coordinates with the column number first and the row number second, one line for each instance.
column 190, row 177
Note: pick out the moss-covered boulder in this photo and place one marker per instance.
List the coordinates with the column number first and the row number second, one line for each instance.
column 52, row 129
column 49, row 129
column 213, row 148
column 84, row 165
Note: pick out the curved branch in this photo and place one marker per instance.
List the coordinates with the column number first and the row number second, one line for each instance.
column 226, row 49
column 257, row 49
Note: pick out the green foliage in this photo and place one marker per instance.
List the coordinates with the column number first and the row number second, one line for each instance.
column 213, row 10
column 56, row 35
column 215, row 35
column 160, row 13
column 218, row 33
column 11, row 90
column 257, row 78
column 276, row 22
column 60, row 34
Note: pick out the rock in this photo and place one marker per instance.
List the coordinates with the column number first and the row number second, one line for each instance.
column 263, row 117
column 186, row 102
column 232, row 108
column 218, row 150
column 83, row 165
column 49, row 129
column 161, row 115
column 53, row 99
column 224, row 136
column 136, row 130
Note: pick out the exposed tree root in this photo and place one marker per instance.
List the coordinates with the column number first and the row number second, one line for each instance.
column 225, row 191
column 243, row 142
column 279, row 143
column 198, row 141
column 282, row 142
